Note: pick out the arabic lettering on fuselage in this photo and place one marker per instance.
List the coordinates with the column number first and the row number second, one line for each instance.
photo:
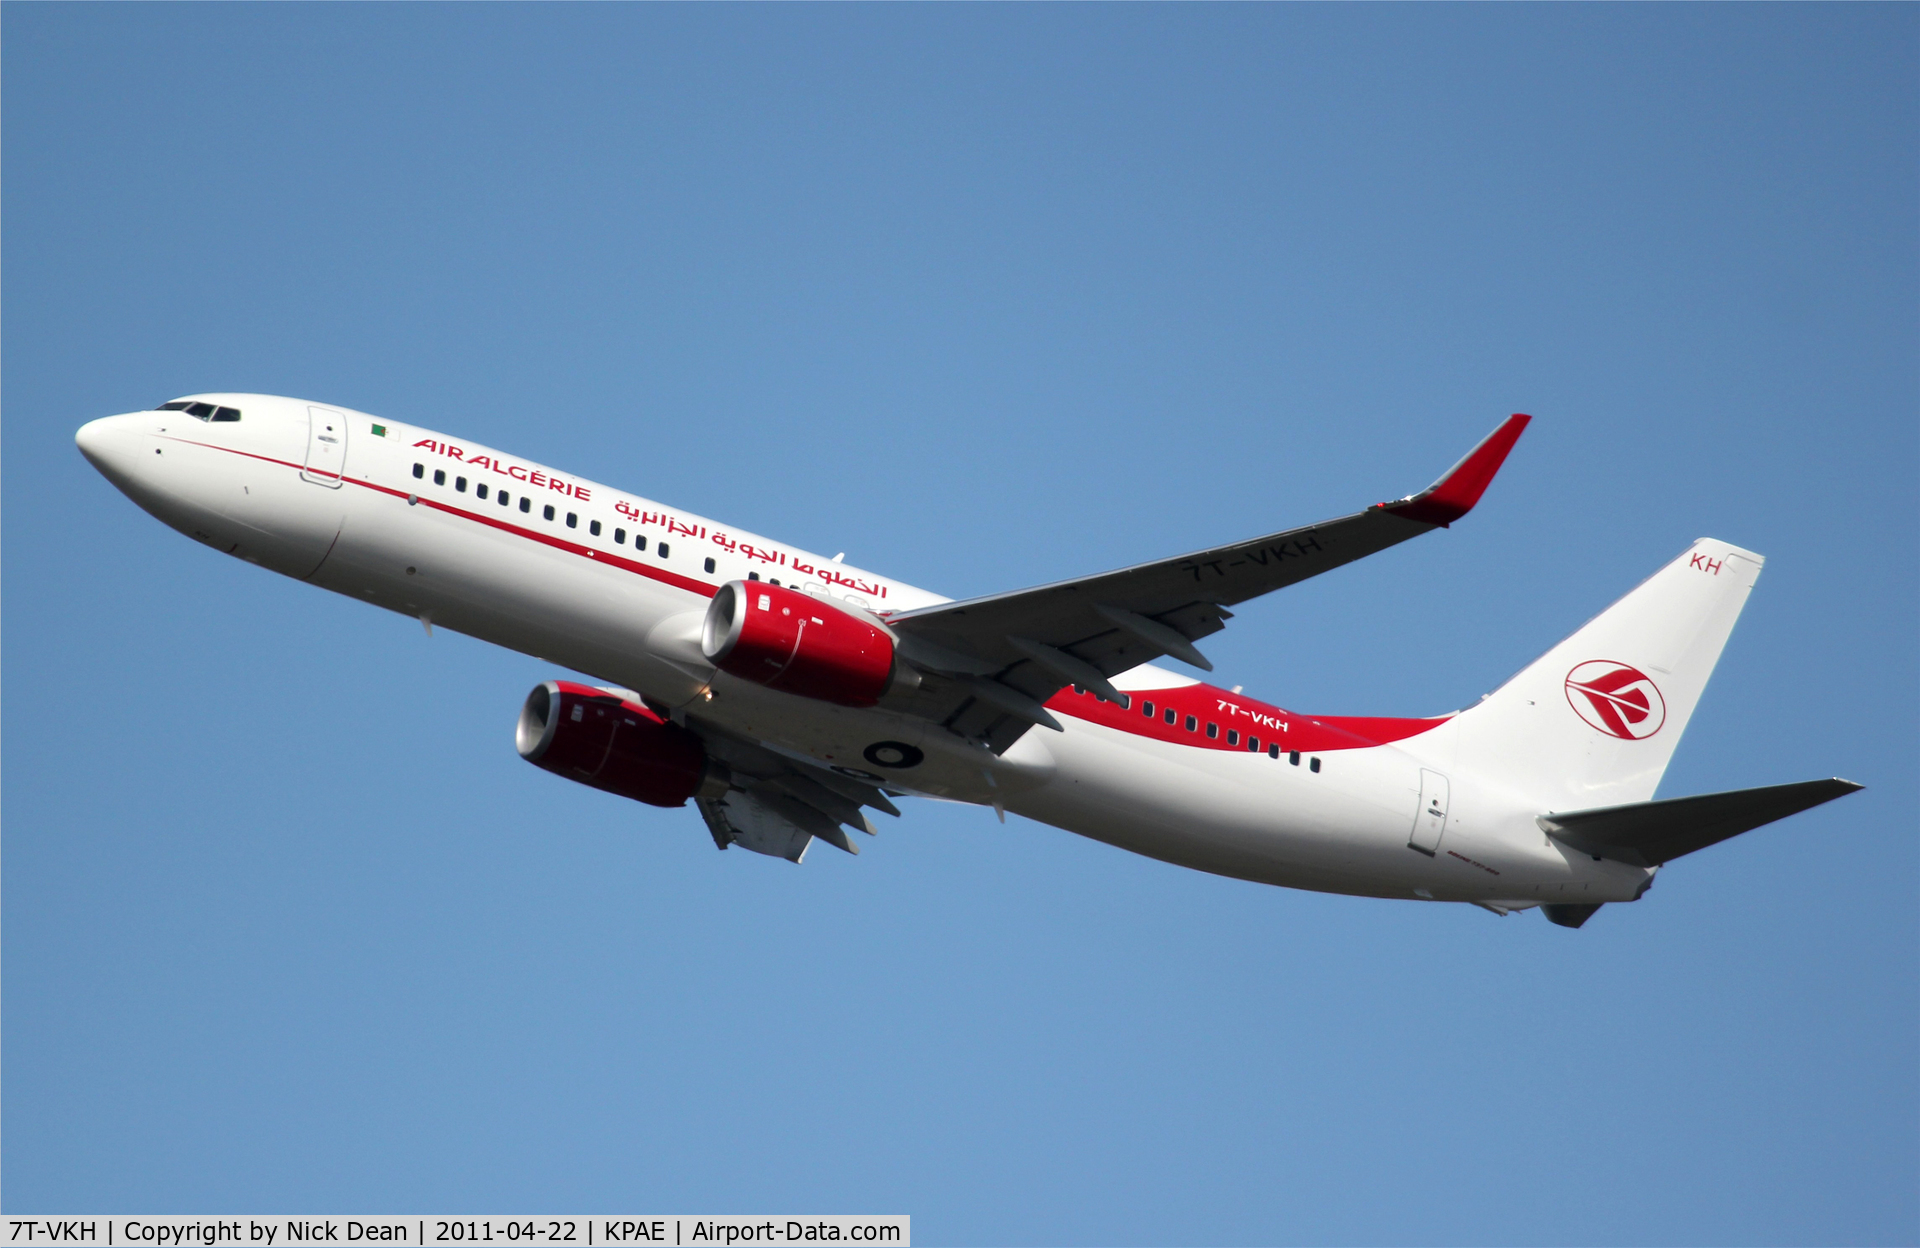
column 660, row 519
column 747, row 550
column 834, row 577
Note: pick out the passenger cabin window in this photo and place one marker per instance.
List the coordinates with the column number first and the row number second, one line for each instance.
column 1293, row 756
column 662, row 548
column 639, row 541
column 480, row 491
column 1192, row 723
column 1273, row 751
column 573, row 520
column 526, row 504
column 753, row 576
column 419, row 470
column 619, row 537
column 1253, row 744
column 1233, row 738
column 439, row 476
column 1172, row 716
column 505, row 498
column 1146, row 708
column 549, row 511
column 1213, row 730
column 1126, row 702
column 460, row 484
column 1314, row 765
column 593, row 527
column 709, row 565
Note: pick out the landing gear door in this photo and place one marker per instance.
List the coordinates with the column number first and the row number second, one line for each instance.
column 326, row 462
column 1430, row 821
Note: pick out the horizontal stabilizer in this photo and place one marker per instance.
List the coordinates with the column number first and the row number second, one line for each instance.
column 1646, row 834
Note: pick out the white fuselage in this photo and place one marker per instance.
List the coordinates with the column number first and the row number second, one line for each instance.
column 395, row 515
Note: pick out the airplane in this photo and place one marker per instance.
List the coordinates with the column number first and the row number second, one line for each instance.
column 786, row 694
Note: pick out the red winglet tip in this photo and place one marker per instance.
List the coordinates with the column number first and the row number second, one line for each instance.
column 1455, row 494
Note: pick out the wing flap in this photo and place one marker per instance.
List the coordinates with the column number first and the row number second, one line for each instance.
column 740, row 818
column 779, row 805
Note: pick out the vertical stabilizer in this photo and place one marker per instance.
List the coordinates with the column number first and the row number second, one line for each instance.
column 1595, row 721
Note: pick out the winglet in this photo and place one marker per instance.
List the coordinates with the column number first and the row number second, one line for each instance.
column 1454, row 494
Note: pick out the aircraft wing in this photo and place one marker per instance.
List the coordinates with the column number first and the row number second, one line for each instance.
column 988, row 664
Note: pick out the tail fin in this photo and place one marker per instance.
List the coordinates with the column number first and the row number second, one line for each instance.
column 1594, row 722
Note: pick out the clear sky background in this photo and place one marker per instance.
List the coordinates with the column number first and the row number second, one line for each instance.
column 984, row 297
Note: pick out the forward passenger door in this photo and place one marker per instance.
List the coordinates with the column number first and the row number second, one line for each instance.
column 326, row 462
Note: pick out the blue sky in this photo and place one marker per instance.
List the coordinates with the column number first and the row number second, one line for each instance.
column 984, row 297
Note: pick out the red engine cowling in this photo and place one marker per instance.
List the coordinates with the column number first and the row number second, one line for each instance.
column 605, row 741
column 787, row 640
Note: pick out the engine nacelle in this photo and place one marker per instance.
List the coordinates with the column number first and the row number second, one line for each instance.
column 793, row 642
column 601, row 739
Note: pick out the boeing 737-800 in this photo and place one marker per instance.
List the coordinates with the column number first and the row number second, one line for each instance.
column 784, row 693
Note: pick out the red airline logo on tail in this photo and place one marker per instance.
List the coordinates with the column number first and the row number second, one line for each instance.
column 1620, row 701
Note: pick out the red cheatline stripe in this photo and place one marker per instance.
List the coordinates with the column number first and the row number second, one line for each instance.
column 558, row 543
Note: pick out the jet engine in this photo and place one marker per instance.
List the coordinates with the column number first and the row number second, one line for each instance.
column 796, row 643
column 603, row 739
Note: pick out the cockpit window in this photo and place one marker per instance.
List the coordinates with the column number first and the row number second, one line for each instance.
column 200, row 411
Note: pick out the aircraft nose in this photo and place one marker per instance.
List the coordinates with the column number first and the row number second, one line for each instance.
column 109, row 445
column 92, row 439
